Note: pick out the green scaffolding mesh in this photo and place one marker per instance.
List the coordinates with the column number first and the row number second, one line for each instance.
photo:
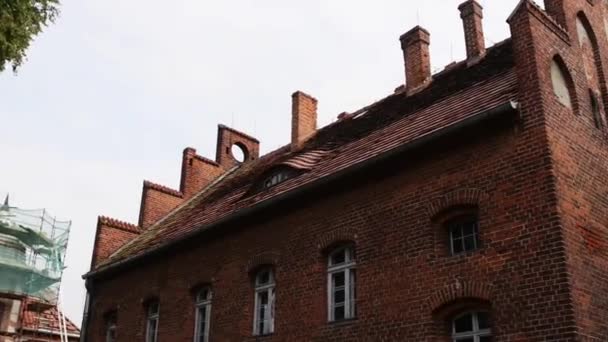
column 32, row 252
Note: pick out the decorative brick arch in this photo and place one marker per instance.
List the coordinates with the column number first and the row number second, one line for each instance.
column 460, row 289
column 262, row 259
column 331, row 238
column 459, row 197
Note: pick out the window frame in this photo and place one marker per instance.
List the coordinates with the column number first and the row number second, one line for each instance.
column 110, row 326
column 476, row 333
column 202, row 303
column 596, row 110
column 348, row 268
column 261, row 288
column 460, row 220
column 152, row 318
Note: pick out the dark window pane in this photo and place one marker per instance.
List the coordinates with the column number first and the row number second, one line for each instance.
column 202, row 314
column 339, row 296
column 338, row 258
column 470, row 243
column 457, row 246
column 483, row 320
column 456, row 230
column 465, row 339
column 485, row 339
column 339, row 313
column 468, row 228
column 463, row 324
column 264, row 277
column 263, row 298
column 338, row 279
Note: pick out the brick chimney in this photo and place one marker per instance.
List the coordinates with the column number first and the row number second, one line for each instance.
column 303, row 118
column 415, row 45
column 471, row 13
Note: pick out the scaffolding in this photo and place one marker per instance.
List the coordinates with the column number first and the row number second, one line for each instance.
column 33, row 246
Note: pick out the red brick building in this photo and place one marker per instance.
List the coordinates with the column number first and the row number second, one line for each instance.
column 469, row 205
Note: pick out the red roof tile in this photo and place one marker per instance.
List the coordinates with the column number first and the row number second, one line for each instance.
column 45, row 320
column 454, row 95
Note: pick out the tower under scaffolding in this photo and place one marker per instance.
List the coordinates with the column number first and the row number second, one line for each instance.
column 33, row 245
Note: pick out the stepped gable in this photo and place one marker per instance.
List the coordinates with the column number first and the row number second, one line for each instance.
column 455, row 94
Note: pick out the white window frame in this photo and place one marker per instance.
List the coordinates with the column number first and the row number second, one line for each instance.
column 111, row 330
column 348, row 268
column 203, row 302
column 260, row 289
column 476, row 333
column 152, row 318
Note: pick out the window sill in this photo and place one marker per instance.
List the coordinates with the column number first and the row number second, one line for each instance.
column 343, row 322
column 263, row 336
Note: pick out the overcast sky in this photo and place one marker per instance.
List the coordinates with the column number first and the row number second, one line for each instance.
column 112, row 93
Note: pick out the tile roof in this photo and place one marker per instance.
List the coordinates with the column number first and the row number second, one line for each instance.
column 45, row 320
column 454, row 95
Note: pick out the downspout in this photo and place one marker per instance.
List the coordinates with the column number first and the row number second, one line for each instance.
column 86, row 313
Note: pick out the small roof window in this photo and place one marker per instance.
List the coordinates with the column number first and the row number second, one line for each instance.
column 276, row 178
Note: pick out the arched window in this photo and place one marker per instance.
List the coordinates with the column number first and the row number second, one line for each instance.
column 152, row 314
column 263, row 316
column 202, row 315
column 471, row 327
column 560, row 79
column 341, row 289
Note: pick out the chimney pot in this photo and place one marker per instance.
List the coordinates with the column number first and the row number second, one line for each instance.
column 303, row 118
column 415, row 45
column 471, row 13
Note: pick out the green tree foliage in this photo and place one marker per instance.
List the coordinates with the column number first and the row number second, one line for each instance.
column 20, row 22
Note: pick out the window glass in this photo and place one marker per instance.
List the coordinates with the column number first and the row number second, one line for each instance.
column 464, row 323
column 263, row 320
column 111, row 328
column 275, row 179
column 464, row 235
column 203, row 315
column 482, row 318
column 341, row 285
column 152, row 322
column 473, row 327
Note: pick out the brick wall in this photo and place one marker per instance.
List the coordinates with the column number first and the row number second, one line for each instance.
column 402, row 262
column 156, row 202
column 111, row 234
column 580, row 157
column 539, row 189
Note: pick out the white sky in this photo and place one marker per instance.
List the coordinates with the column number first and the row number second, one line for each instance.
column 113, row 92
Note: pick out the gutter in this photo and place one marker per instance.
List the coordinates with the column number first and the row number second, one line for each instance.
column 509, row 106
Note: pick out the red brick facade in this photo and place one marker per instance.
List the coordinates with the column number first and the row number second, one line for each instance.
column 536, row 179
